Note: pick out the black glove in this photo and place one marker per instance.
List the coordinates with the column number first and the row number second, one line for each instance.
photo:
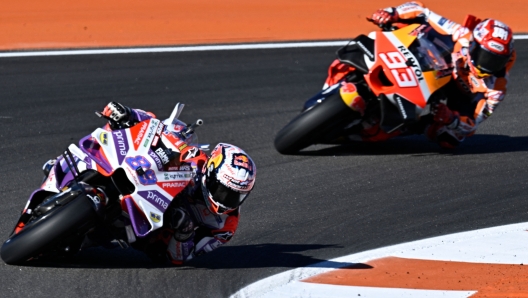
column 117, row 112
column 182, row 224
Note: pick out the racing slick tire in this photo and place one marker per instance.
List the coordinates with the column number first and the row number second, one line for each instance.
column 314, row 124
column 47, row 230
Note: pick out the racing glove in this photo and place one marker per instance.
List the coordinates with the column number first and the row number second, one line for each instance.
column 182, row 224
column 117, row 113
column 384, row 17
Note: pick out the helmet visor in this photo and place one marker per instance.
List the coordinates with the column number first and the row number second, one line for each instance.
column 228, row 198
column 223, row 198
column 485, row 60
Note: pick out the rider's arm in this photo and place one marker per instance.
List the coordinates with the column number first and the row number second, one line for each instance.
column 416, row 12
column 203, row 241
column 492, row 98
column 208, row 240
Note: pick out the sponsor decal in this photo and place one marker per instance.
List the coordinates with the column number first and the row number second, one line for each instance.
column 242, row 161
column 156, row 159
column 155, row 141
column 442, row 21
column 474, row 82
column 182, row 147
column 191, row 153
column 160, row 129
column 178, row 127
column 139, row 137
column 103, row 137
column 366, row 51
column 418, row 31
column 402, row 74
column 461, row 31
column 155, row 217
column 151, row 131
column 398, row 100
column 236, row 183
column 496, row 95
column 133, row 175
column 156, row 199
column 411, row 62
column 224, row 236
column 121, row 143
column 173, row 184
column 162, row 155
column 496, row 46
column 500, row 31
column 176, row 176
column 351, row 97
column 443, row 73
column 185, row 167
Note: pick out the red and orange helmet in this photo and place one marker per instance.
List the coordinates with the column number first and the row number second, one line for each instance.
column 491, row 48
column 229, row 177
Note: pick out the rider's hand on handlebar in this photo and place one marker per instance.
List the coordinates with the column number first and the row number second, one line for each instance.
column 383, row 17
column 116, row 112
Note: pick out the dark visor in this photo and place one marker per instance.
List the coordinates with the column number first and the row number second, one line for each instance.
column 485, row 60
column 228, row 198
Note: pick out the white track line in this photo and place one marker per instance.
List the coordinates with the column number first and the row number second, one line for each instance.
column 176, row 49
column 254, row 46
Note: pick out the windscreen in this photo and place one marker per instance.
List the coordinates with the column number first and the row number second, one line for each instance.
column 177, row 127
column 433, row 50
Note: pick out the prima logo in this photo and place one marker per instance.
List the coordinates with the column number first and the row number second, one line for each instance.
column 120, row 142
column 157, row 199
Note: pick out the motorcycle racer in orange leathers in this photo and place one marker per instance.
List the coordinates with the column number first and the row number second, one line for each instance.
column 482, row 56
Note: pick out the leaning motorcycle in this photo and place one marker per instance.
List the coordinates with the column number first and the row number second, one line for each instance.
column 112, row 189
column 381, row 86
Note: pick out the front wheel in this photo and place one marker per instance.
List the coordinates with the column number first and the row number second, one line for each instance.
column 314, row 125
column 49, row 229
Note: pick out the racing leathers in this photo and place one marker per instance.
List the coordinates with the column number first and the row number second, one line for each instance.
column 472, row 99
column 189, row 229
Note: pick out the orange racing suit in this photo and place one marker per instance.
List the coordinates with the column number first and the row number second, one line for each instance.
column 472, row 99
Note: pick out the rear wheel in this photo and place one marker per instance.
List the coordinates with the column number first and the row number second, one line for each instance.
column 48, row 230
column 321, row 123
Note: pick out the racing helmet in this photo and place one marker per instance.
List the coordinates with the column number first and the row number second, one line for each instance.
column 229, row 177
column 491, row 48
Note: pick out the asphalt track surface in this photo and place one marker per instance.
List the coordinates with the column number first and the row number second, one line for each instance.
column 327, row 202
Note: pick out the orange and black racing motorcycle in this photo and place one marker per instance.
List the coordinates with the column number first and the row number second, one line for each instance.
column 381, row 86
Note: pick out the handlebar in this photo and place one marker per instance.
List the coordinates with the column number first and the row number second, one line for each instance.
column 192, row 127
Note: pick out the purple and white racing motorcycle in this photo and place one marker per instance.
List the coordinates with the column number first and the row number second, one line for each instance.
column 111, row 189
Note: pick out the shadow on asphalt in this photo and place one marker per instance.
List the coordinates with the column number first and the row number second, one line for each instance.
column 227, row 257
column 419, row 145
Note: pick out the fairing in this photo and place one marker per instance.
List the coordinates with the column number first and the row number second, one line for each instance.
column 408, row 64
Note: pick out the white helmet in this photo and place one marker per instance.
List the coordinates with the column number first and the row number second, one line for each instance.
column 229, row 177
